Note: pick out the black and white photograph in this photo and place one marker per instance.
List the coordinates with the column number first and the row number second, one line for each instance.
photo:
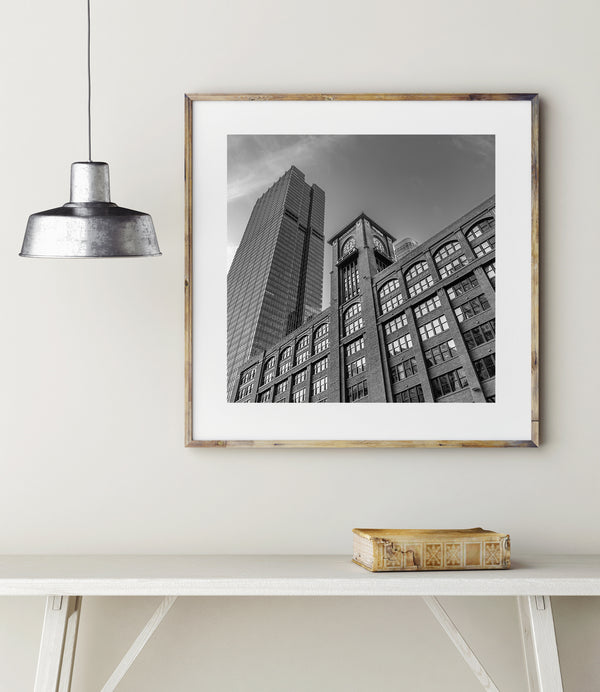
column 361, row 269
column 341, row 249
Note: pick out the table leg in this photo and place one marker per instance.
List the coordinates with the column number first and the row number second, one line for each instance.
column 57, row 647
column 539, row 644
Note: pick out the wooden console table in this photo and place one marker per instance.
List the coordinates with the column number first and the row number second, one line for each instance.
column 65, row 580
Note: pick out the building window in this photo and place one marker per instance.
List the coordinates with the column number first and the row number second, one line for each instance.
column 356, row 367
column 381, row 263
column 482, row 334
column 379, row 245
column 440, row 353
column 420, row 286
column 490, row 270
column 449, row 382
column 350, row 284
column 286, row 353
column 357, row 391
column 299, row 377
column 456, row 264
column 270, row 363
column 403, row 343
column 485, row 367
column 322, row 330
column 248, row 376
column 348, row 246
column 485, row 248
column 412, row 395
column 462, row 286
column 281, row 387
column 401, row 371
column 321, row 365
column 393, row 302
column 446, row 250
column 244, row 391
column 436, row 326
column 264, row 397
column 473, row 307
column 389, row 287
column 479, row 229
column 299, row 396
column 395, row 324
column 268, row 377
column 355, row 346
column 302, row 343
column 415, row 270
column 319, row 386
column 428, row 306
column 284, row 367
column 353, row 319
column 301, row 357
column 321, row 346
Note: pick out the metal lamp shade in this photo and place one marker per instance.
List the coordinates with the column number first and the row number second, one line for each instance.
column 90, row 225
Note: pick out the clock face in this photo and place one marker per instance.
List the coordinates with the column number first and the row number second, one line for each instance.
column 379, row 245
column 348, row 246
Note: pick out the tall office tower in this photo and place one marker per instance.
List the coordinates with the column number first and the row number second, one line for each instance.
column 275, row 282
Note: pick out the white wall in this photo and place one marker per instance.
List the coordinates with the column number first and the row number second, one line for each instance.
column 91, row 404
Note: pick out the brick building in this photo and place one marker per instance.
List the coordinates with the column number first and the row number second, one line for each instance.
column 420, row 328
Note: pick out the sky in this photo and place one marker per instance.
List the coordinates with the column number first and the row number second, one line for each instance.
column 411, row 185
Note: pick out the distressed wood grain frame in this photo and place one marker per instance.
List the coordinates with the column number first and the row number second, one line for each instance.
column 534, row 440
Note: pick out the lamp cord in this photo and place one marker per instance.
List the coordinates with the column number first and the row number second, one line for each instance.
column 89, row 76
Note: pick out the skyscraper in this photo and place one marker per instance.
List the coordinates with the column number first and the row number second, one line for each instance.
column 275, row 282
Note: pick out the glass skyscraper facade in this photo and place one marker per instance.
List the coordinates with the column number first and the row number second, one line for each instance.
column 275, row 282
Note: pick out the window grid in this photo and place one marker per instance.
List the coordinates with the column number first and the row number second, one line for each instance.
column 357, row 391
column 301, row 357
column 321, row 365
column 281, row 387
column 479, row 229
column 299, row 396
column 482, row 334
column 485, row 367
column 393, row 302
column 440, row 353
column 265, row 396
column 322, row 330
column 244, row 391
column 401, row 371
column 462, row 286
column 436, row 326
column 456, row 264
column 356, row 367
column 355, row 346
column 449, row 382
column 270, row 363
column 473, row 307
column 412, row 395
column 302, row 343
column 415, row 270
column 389, row 287
column 319, row 386
column 490, row 270
column 299, row 377
column 350, row 282
column 421, row 286
column 284, row 367
column 286, row 353
column 248, row 376
column 348, row 246
column 395, row 324
column 447, row 250
column 401, row 344
column 485, row 248
column 268, row 377
column 321, row 345
column 428, row 306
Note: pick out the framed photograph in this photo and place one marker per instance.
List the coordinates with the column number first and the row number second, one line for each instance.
column 373, row 257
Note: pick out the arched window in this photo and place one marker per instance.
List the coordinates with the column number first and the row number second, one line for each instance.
column 415, row 270
column 322, row 330
column 353, row 320
column 348, row 246
column 286, row 353
column 302, row 342
column 446, row 250
column 480, row 228
column 270, row 363
column 379, row 245
column 389, row 287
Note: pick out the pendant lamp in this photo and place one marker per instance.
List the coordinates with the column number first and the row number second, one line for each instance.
column 90, row 225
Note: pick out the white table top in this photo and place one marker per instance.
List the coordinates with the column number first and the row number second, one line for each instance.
column 285, row 575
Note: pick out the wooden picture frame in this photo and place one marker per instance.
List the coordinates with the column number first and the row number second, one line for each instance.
column 195, row 437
